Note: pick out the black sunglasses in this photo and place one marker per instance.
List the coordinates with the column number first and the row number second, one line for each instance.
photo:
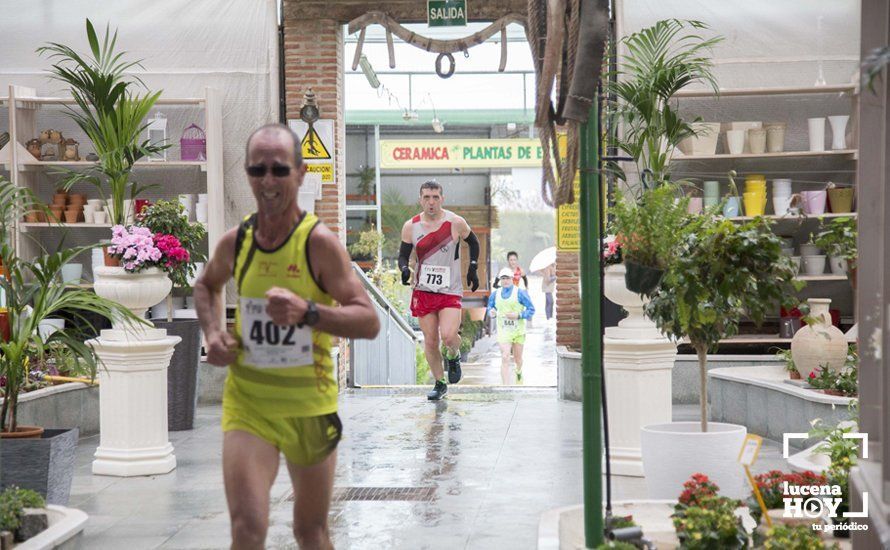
column 259, row 170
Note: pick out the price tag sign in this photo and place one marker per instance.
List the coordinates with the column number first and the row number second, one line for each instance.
column 750, row 450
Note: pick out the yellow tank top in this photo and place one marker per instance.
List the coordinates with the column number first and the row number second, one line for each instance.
column 280, row 371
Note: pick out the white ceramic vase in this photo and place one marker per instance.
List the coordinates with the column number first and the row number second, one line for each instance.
column 636, row 324
column 819, row 344
column 136, row 291
column 838, row 131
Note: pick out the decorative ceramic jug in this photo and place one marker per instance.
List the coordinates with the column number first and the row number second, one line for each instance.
column 820, row 343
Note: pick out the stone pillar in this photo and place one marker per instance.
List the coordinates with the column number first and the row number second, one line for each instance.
column 133, row 402
column 638, row 386
column 638, row 361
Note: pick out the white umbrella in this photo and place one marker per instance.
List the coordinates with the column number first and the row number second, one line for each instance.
column 543, row 259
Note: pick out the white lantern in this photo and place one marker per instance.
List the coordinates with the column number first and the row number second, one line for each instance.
column 157, row 135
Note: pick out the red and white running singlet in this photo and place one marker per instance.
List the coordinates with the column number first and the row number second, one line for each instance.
column 438, row 257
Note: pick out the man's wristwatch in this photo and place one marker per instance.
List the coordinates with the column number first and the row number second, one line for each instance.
column 311, row 316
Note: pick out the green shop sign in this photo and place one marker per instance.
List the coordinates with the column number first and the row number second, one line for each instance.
column 446, row 13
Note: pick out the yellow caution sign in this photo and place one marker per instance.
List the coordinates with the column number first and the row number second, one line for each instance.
column 313, row 147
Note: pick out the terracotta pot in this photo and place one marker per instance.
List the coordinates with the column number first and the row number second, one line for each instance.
column 56, row 213
column 23, row 432
column 4, row 325
column 110, row 261
column 60, row 198
column 32, row 217
column 834, row 392
column 71, row 216
column 794, row 375
column 820, row 343
column 77, row 198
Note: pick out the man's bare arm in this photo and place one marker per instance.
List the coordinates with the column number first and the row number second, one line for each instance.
column 210, row 304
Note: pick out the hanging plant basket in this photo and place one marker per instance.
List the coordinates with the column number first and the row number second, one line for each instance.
column 641, row 279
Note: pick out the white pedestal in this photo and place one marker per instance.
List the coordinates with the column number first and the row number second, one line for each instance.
column 638, row 386
column 133, row 403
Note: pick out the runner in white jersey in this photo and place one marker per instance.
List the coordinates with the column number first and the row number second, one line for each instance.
column 438, row 284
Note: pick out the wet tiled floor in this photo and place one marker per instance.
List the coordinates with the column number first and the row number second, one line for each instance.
column 487, row 464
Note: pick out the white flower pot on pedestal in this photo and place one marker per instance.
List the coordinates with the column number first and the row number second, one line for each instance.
column 636, row 325
column 135, row 291
column 638, row 362
column 133, row 378
column 674, row 451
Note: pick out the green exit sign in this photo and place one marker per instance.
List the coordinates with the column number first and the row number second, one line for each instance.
column 446, row 13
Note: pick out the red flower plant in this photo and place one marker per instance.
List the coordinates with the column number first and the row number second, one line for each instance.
column 812, row 374
column 771, row 484
column 698, row 488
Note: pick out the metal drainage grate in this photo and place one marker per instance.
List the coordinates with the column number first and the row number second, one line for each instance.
column 412, row 494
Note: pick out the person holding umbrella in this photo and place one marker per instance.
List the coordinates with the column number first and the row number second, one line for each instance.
column 511, row 307
column 545, row 263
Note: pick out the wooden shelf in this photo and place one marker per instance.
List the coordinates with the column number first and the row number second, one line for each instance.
column 750, row 92
column 64, row 225
column 33, row 164
column 825, row 277
column 785, row 154
column 70, row 100
column 801, row 218
column 756, row 339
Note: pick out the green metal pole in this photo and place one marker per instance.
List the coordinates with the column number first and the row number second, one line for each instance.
column 591, row 334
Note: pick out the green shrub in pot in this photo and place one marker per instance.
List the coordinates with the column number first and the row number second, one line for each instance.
column 721, row 272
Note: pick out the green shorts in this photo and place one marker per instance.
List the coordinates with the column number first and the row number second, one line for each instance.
column 511, row 338
column 304, row 440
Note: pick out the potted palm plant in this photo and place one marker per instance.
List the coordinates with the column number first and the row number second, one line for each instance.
column 722, row 272
column 169, row 218
column 34, row 457
column 109, row 112
column 659, row 61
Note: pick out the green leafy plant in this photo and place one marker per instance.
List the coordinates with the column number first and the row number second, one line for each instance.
column 650, row 230
column 844, row 381
column 421, row 367
column 109, row 113
column 13, row 502
column 838, row 239
column 785, row 356
column 659, row 61
column 798, row 537
column 367, row 176
column 32, row 295
column 721, row 272
column 711, row 525
column 367, row 244
column 395, row 211
column 168, row 217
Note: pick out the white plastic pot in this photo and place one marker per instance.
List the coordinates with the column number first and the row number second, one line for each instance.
column 674, row 451
column 814, row 265
column 838, row 265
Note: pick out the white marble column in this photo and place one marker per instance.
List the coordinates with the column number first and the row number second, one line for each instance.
column 133, row 402
column 638, row 386
column 638, row 361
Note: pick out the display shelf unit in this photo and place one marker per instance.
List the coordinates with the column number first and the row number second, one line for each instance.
column 799, row 219
column 26, row 111
column 783, row 155
column 786, row 161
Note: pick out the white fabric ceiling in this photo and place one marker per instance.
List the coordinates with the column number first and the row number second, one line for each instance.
column 185, row 45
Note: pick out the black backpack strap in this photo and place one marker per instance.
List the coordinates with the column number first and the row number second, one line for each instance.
column 248, row 223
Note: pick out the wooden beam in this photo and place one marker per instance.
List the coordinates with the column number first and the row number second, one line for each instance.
column 403, row 11
column 431, row 44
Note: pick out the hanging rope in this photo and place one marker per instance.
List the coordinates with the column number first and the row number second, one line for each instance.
column 445, row 48
column 553, row 31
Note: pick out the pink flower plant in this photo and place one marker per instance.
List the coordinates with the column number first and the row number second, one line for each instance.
column 138, row 249
column 135, row 246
